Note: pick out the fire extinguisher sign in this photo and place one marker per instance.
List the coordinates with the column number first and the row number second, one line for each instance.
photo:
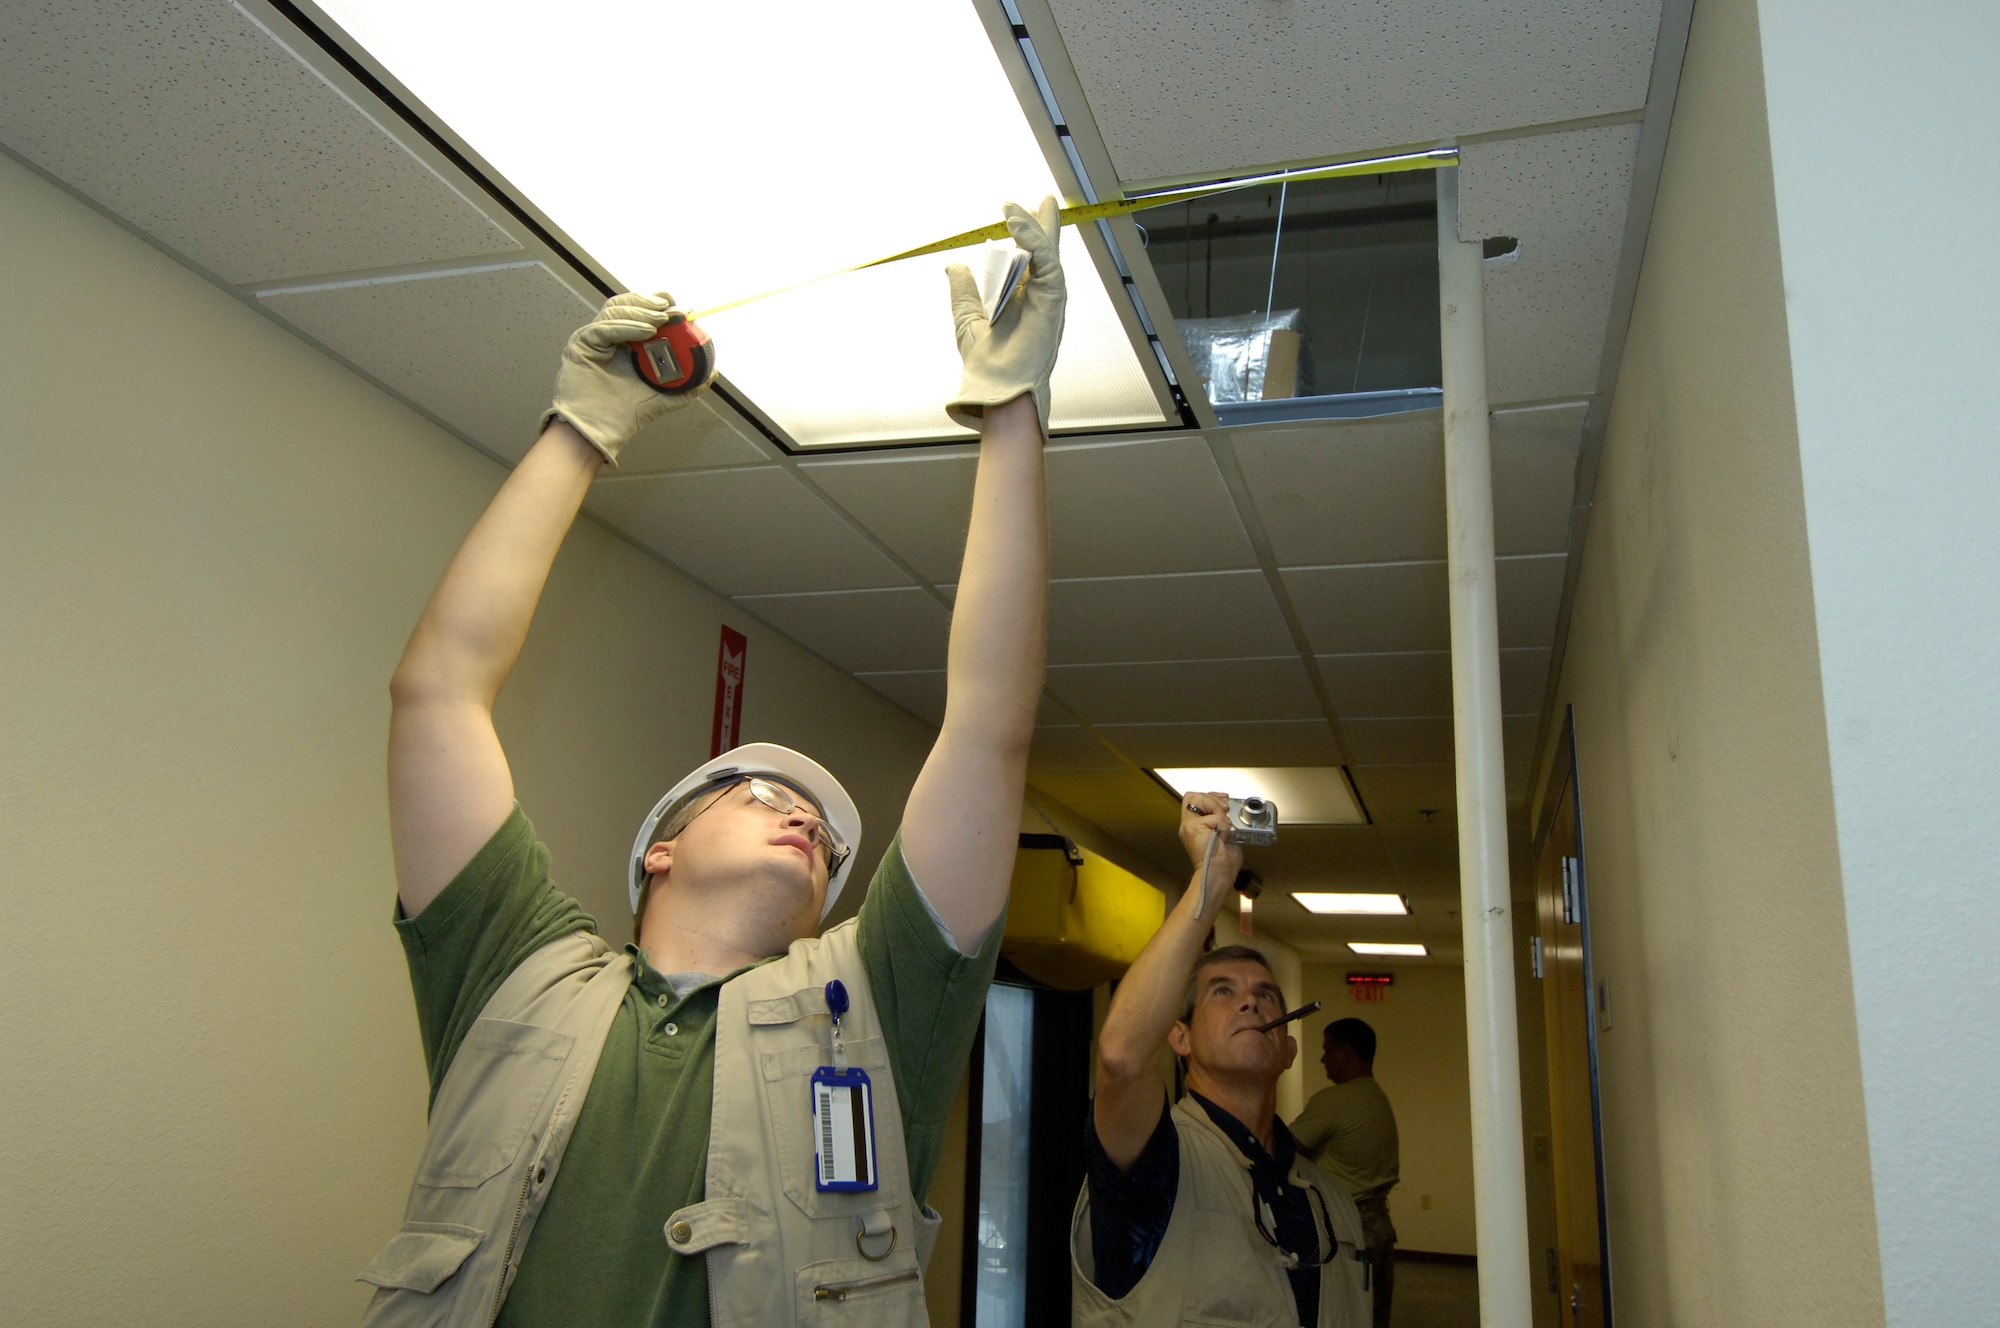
column 728, row 692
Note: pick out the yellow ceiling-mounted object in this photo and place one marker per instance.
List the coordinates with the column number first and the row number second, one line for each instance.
column 1076, row 919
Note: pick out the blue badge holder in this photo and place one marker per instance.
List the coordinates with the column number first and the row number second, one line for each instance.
column 843, row 1108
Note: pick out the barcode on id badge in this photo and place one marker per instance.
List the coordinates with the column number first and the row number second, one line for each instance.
column 823, row 1102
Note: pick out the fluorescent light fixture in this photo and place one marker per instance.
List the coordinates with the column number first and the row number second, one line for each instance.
column 1387, row 948
column 1305, row 794
column 720, row 150
column 1322, row 901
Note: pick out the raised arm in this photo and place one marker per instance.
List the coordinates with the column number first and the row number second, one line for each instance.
column 1150, row 996
column 449, row 785
column 961, row 827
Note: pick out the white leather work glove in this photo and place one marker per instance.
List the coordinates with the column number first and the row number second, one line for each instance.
column 1014, row 356
column 598, row 391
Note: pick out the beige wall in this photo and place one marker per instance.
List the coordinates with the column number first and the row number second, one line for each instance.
column 216, row 540
column 1737, row 1160
column 1420, row 1061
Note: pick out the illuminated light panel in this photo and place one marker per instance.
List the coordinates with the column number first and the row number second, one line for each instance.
column 1305, row 794
column 1387, row 948
column 1324, row 901
column 717, row 151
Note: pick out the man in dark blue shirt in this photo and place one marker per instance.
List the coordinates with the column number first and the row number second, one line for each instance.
column 1205, row 1209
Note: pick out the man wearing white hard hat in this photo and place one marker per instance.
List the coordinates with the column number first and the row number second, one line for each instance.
column 734, row 1120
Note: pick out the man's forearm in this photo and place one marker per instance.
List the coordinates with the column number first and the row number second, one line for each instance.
column 962, row 823
column 476, row 622
column 1150, row 994
column 998, row 633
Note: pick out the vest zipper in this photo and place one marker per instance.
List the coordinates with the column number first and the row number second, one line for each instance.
column 842, row 1290
column 513, row 1235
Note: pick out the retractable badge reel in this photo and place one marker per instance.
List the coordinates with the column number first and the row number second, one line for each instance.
column 843, row 1104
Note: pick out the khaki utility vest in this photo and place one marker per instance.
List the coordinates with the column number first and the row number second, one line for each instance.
column 1213, row 1266
column 779, row 1252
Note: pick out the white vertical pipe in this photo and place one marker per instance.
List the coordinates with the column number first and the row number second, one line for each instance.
column 1500, row 1198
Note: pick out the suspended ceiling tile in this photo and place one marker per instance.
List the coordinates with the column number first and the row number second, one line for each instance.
column 1190, row 616
column 703, row 434
column 1423, row 741
column 1424, row 850
column 922, row 691
column 1195, row 690
column 748, row 531
column 1399, row 607
column 1070, row 747
column 1111, row 798
column 1524, row 676
column 1350, row 491
column 1517, row 738
column 1374, row 607
column 1310, row 857
column 1564, row 197
column 1389, row 686
column 865, row 631
column 1534, row 476
column 917, row 503
column 1400, row 794
column 194, row 124
column 1123, row 508
column 1115, row 509
column 419, row 336
column 1269, row 742
column 1529, row 592
column 1180, row 90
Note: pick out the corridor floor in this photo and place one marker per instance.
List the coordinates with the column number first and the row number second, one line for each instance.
column 1435, row 1295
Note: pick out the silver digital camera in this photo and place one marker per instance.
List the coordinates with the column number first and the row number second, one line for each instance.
column 1253, row 821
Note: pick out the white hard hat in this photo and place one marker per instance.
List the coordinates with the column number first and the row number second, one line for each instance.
column 751, row 760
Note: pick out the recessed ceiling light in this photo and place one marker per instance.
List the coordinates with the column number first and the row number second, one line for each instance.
column 1322, row 901
column 736, row 152
column 1386, row 948
column 1305, row 794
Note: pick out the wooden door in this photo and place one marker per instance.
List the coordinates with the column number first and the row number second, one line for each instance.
column 1582, row 1280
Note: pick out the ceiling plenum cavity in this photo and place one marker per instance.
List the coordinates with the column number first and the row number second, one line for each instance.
column 1308, row 290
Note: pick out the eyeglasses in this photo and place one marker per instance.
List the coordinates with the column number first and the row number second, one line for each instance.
column 780, row 800
column 1328, row 1244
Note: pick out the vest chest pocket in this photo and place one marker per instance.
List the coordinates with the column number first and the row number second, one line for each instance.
column 498, row 1086
column 787, row 1085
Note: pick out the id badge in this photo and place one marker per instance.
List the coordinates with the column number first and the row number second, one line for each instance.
column 843, row 1104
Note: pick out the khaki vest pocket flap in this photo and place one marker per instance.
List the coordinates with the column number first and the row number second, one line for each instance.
column 789, row 1009
column 491, row 1097
column 421, row 1256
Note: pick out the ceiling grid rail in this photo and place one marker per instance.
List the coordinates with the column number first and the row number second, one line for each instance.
column 1083, row 144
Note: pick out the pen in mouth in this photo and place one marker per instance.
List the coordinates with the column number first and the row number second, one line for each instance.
column 1287, row 1018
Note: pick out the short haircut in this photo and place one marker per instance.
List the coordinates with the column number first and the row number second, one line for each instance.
column 1223, row 955
column 1354, row 1034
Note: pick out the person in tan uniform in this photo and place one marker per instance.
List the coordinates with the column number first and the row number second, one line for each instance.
column 1205, row 1210
column 1350, row 1131
column 627, row 1136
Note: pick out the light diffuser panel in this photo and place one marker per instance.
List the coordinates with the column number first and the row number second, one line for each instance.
column 1306, row 795
column 1387, row 949
column 722, row 150
column 1329, row 902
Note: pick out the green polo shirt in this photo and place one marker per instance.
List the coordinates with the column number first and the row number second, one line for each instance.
column 598, row 1254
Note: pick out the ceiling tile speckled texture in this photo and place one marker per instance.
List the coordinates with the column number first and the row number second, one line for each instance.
column 418, row 336
column 1564, row 197
column 1181, row 89
column 1264, row 595
column 290, row 178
